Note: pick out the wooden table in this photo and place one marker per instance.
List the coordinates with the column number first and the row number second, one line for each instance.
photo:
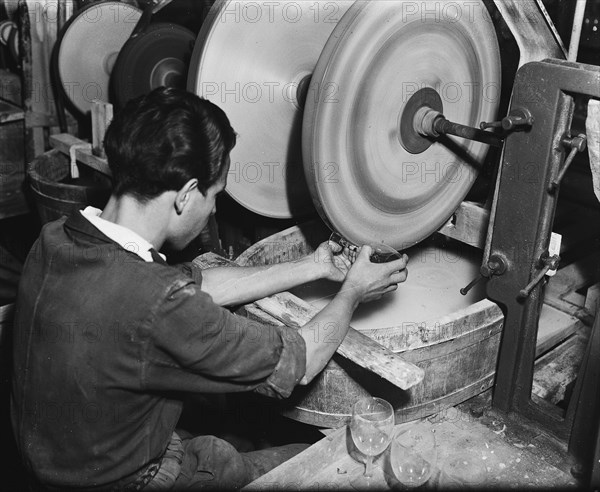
column 499, row 462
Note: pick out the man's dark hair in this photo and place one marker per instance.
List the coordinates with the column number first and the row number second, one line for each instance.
column 161, row 140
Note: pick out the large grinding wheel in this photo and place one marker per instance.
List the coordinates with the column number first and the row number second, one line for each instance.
column 87, row 49
column 158, row 56
column 371, row 176
column 254, row 60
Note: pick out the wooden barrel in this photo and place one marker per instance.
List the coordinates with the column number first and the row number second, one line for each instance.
column 457, row 351
column 56, row 195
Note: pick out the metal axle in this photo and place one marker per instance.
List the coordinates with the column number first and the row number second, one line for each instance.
column 431, row 123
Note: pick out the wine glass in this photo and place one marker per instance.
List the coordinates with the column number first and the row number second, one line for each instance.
column 371, row 428
column 413, row 457
column 382, row 253
column 465, row 469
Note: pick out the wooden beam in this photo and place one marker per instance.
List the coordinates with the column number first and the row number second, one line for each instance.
column 355, row 346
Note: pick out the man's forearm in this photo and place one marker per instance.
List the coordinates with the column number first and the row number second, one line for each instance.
column 324, row 333
column 232, row 286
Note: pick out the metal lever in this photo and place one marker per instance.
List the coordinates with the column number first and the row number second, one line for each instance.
column 496, row 265
column 465, row 290
column 549, row 263
column 576, row 144
column 520, row 118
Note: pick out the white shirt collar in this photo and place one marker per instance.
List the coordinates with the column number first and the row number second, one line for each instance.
column 123, row 236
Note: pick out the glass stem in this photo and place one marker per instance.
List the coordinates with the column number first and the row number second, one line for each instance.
column 369, row 467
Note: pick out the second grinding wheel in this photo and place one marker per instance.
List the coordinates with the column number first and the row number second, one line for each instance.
column 157, row 57
column 87, row 48
column 371, row 176
column 255, row 60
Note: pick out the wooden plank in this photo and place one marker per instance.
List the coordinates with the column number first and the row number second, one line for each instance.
column 355, row 346
column 468, row 224
column 558, row 369
column 64, row 142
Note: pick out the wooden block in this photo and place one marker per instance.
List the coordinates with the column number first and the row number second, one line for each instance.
column 355, row 346
column 64, row 141
column 468, row 224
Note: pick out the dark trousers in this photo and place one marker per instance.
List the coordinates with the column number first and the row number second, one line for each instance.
column 207, row 462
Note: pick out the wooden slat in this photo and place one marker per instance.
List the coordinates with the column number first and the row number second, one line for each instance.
column 355, row 346
column 64, row 141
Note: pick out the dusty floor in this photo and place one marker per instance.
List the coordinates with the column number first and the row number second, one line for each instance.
column 477, row 448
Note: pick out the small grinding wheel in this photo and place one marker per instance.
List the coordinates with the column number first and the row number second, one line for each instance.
column 159, row 56
column 254, row 60
column 6, row 26
column 87, row 49
column 373, row 177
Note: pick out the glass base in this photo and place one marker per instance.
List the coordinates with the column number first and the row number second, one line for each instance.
column 374, row 482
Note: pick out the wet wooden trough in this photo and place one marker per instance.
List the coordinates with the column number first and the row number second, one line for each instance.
column 457, row 351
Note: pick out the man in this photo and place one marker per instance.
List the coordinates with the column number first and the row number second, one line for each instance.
column 108, row 336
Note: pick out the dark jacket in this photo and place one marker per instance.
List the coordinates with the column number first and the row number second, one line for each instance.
column 104, row 345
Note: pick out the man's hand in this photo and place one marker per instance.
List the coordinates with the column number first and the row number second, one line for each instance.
column 370, row 281
column 334, row 261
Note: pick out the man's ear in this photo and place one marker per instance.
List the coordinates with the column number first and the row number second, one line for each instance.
column 182, row 198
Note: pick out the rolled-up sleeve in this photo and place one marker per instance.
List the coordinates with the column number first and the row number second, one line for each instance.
column 192, row 271
column 290, row 368
column 197, row 346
